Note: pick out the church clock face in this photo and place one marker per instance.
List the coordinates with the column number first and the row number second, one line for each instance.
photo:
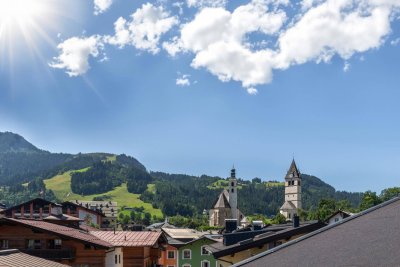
column 291, row 175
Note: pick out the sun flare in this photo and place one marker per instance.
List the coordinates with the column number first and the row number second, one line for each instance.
column 21, row 12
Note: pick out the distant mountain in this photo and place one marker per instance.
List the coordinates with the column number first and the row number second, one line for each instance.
column 11, row 142
column 187, row 195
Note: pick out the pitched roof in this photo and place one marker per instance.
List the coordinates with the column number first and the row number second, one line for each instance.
column 221, row 202
column 129, row 238
column 63, row 217
column 293, row 172
column 182, row 233
column 288, row 205
column 61, row 230
column 15, row 258
column 38, row 199
column 369, row 238
column 345, row 214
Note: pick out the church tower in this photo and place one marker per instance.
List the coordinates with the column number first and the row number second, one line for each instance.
column 292, row 192
column 232, row 190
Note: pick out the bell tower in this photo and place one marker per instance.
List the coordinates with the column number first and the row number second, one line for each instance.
column 292, row 192
column 232, row 190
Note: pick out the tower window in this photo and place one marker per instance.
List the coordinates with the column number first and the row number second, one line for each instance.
column 298, row 182
column 232, row 190
column 232, row 184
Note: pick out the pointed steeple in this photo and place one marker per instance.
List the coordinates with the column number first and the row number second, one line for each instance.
column 293, row 172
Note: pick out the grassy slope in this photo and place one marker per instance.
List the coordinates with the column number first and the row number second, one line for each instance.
column 61, row 186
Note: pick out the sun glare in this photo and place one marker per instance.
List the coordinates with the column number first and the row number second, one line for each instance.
column 20, row 12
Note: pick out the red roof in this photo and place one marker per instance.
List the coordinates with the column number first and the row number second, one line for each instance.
column 60, row 230
column 129, row 238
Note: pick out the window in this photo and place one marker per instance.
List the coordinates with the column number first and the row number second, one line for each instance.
column 336, row 219
column 187, row 254
column 171, row 254
column 232, row 190
column 34, row 244
column 204, row 251
column 116, row 259
column 232, row 184
column 205, row 264
column 4, row 243
column 298, row 182
column 87, row 246
column 119, row 258
column 186, row 265
column 54, row 244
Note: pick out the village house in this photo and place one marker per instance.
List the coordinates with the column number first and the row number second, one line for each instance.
column 54, row 242
column 108, row 208
column 133, row 248
column 195, row 254
column 338, row 216
column 88, row 215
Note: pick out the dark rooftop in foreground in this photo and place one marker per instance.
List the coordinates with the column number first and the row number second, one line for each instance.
column 370, row 238
column 220, row 250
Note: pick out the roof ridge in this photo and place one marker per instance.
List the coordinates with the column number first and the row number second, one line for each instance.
column 323, row 229
column 8, row 251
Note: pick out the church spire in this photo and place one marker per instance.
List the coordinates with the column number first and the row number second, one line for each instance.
column 293, row 172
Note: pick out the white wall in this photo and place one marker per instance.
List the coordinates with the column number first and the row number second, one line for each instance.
column 110, row 258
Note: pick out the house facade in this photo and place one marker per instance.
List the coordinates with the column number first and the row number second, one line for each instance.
column 53, row 242
column 195, row 254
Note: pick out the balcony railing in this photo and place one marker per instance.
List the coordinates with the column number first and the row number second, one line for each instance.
column 52, row 254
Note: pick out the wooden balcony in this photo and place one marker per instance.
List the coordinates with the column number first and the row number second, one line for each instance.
column 51, row 254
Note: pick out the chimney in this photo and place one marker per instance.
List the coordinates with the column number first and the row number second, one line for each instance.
column 296, row 221
column 230, row 225
column 257, row 225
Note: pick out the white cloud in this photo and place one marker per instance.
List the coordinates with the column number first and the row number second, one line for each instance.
column 219, row 38
column 75, row 53
column 206, row 3
column 395, row 42
column 252, row 91
column 100, row 6
column 183, row 80
column 145, row 29
column 346, row 66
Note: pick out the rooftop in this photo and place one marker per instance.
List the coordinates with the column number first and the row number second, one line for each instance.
column 60, row 230
column 182, row 233
column 369, row 238
column 129, row 238
column 15, row 258
column 220, row 250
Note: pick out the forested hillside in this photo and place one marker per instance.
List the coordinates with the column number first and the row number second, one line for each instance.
column 97, row 174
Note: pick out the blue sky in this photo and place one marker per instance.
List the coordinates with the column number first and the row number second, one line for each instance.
column 318, row 80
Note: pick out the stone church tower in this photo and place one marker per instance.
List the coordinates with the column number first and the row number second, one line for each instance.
column 292, row 192
column 226, row 205
column 232, row 189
